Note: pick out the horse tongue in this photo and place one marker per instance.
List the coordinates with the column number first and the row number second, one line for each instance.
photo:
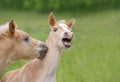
column 67, row 43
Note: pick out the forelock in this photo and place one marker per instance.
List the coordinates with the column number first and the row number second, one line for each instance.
column 61, row 21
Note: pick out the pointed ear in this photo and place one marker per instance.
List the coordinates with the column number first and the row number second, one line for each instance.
column 70, row 23
column 12, row 27
column 51, row 19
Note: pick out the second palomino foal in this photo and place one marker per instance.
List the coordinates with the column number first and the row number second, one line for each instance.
column 45, row 70
column 16, row 44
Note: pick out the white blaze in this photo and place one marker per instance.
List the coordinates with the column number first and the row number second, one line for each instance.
column 64, row 26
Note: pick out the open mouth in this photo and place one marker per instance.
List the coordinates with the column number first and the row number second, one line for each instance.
column 66, row 42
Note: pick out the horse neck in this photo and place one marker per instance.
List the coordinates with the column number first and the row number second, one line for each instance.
column 53, row 55
column 4, row 62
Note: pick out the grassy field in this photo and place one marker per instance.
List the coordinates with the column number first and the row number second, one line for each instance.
column 95, row 52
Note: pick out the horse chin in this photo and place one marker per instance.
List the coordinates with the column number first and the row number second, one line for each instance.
column 67, row 46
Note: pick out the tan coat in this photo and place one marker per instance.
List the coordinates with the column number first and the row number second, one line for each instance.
column 16, row 44
column 45, row 70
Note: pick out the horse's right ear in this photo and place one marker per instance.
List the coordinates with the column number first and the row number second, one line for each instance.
column 71, row 22
column 12, row 27
column 51, row 19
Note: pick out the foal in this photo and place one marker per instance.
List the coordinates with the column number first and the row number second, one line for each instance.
column 16, row 44
column 45, row 70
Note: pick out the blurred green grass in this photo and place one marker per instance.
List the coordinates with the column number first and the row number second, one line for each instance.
column 95, row 52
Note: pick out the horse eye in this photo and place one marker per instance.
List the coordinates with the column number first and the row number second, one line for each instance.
column 55, row 29
column 26, row 39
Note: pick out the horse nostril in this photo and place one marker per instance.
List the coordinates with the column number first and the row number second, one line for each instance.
column 66, row 34
column 44, row 47
column 41, row 45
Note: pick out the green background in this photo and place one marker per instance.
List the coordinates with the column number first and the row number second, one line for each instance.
column 95, row 52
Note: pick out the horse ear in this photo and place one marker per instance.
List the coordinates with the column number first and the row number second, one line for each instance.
column 12, row 27
column 51, row 19
column 70, row 23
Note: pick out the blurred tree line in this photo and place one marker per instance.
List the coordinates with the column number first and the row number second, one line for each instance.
column 59, row 5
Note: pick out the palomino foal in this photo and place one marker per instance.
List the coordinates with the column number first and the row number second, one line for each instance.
column 45, row 70
column 16, row 44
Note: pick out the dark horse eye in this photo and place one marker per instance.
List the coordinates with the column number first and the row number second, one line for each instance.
column 55, row 29
column 26, row 39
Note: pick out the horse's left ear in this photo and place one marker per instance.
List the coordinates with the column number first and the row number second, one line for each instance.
column 51, row 19
column 12, row 27
column 71, row 22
